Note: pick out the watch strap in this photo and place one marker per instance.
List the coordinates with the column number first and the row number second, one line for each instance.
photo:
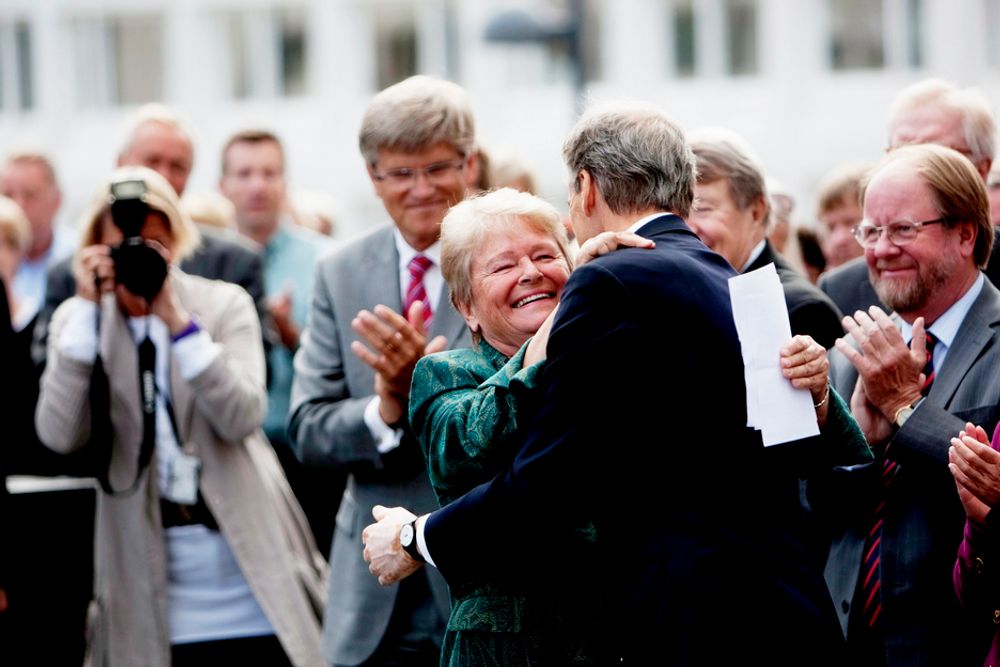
column 410, row 547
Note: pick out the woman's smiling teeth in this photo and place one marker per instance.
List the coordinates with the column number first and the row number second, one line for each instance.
column 532, row 298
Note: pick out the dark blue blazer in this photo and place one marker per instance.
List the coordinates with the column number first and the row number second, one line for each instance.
column 641, row 426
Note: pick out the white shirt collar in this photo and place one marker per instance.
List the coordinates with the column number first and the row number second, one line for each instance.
column 407, row 253
column 754, row 254
column 641, row 222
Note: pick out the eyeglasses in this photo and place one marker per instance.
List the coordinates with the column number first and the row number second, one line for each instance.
column 901, row 232
column 439, row 173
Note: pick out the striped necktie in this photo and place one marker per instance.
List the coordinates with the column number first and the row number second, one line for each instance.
column 415, row 291
column 871, row 565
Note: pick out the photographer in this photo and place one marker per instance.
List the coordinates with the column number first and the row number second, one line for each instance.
column 202, row 554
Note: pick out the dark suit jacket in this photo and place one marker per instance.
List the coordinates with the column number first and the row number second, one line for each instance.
column 219, row 257
column 923, row 518
column 810, row 311
column 641, row 425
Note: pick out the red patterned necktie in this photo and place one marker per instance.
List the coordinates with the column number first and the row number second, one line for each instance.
column 871, row 564
column 415, row 290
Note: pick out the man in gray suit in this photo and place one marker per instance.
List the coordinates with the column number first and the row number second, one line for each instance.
column 349, row 398
column 898, row 521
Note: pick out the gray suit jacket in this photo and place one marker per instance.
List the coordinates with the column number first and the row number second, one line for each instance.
column 923, row 517
column 326, row 427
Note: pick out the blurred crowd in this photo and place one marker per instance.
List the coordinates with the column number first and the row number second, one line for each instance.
column 557, row 400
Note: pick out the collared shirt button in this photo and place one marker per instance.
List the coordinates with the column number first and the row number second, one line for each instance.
column 845, row 606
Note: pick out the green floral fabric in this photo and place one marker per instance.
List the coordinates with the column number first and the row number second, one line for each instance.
column 466, row 409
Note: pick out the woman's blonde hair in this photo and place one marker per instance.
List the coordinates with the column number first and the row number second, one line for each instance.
column 160, row 196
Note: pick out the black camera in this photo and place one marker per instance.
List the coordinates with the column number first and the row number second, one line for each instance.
column 138, row 266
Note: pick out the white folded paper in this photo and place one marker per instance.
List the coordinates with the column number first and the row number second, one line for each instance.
column 778, row 410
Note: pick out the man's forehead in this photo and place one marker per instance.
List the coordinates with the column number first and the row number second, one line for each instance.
column 930, row 125
column 29, row 170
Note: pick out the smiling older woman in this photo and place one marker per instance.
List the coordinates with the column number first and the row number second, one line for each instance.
column 506, row 258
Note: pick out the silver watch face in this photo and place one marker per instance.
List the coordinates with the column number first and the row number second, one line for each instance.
column 406, row 535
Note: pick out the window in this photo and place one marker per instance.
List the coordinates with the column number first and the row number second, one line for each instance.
column 915, row 33
column 395, row 44
column 118, row 60
column 16, row 83
column 683, row 27
column 267, row 52
column 741, row 36
column 992, row 34
column 856, row 34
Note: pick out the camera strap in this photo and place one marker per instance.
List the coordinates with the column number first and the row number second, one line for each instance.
column 101, row 432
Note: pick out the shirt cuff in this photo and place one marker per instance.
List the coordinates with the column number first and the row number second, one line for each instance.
column 194, row 353
column 422, row 542
column 386, row 438
column 78, row 339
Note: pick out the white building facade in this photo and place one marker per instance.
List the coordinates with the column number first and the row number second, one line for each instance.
column 807, row 82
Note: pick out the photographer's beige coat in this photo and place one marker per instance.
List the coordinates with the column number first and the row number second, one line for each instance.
column 220, row 411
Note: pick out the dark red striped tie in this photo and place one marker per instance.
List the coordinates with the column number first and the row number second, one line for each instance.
column 871, row 564
column 415, row 290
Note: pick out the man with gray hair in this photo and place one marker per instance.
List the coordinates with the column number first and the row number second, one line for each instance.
column 642, row 391
column 417, row 139
column 731, row 214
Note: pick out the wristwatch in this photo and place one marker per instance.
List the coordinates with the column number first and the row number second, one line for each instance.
column 408, row 540
column 904, row 413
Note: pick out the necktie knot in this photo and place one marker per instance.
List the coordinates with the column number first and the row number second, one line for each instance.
column 928, row 371
column 415, row 291
column 418, row 266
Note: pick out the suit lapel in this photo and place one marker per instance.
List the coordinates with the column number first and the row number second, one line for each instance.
column 974, row 335
column 382, row 267
column 447, row 321
column 181, row 397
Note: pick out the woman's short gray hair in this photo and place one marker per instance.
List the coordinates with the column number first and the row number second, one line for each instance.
column 636, row 155
column 469, row 225
column 416, row 114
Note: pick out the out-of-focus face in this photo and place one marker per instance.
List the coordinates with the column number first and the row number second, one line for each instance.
column 722, row 225
column 994, row 193
column 164, row 149
column 28, row 184
column 933, row 124
column 254, row 181
column 156, row 228
column 417, row 189
column 836, row 236
column 926, row 276
column 517, row 277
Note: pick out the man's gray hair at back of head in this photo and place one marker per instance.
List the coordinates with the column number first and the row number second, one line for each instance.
column 636, row 155
column 416, row 114
column 723, row 154
column 978, row 122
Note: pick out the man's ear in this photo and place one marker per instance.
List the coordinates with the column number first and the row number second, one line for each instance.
column 588, row 191
column 967, row 232
column 759, row 210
